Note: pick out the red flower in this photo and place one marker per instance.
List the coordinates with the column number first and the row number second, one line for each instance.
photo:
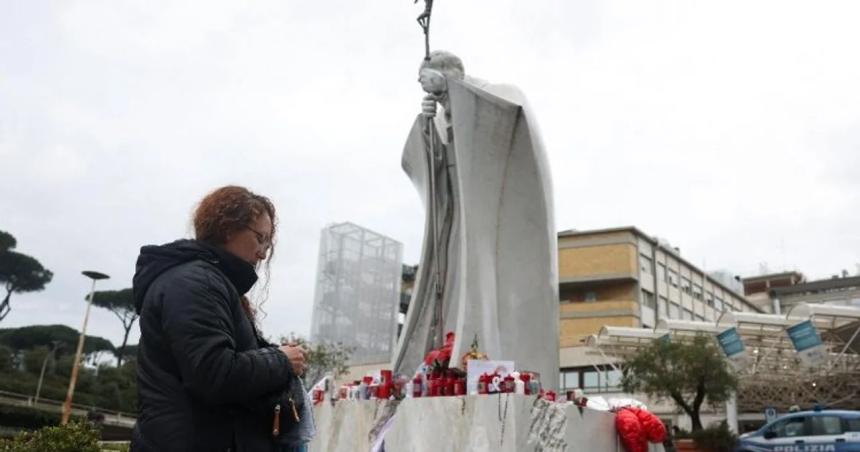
column 441, row 356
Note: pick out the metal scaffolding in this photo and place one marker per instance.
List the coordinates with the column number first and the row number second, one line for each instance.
column 772, row 373
column 357, row 292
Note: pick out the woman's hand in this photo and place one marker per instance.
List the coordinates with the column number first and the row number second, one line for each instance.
column 297, row 356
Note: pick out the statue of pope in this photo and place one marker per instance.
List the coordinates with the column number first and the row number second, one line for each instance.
column 490, row 246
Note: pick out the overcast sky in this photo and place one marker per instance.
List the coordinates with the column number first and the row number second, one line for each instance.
column 730, row 128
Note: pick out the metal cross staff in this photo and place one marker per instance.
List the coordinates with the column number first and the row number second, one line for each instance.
column 424, row 21
column 432, row 155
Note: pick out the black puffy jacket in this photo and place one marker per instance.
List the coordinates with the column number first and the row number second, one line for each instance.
column 205, row 381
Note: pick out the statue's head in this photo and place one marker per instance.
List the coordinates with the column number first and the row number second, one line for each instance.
column 442, row 65
column 445, row 62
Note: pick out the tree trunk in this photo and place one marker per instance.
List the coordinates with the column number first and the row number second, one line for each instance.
column 4, row 305
column 122, row 347
column 692, row 411
column 697, row 405
column 696, row 420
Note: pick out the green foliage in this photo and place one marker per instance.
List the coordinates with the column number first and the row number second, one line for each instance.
column 323, row 358
column 116, row 387
column 121, row 303
column 28, row 337
column 64, row 366
column 22, row 273
column 715, row 438
column 34, row 358
column 53, row 387
column 682, row 434
column 688, row 372
column 120, row 447
column 74, row 437
column 129, row 354
column 7, row 241
column 27, row 418
column 112, row 389
column 19, row 272
column 5, row 358
column 114, row 299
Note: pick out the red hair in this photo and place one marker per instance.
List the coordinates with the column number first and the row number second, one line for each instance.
column 228, row 210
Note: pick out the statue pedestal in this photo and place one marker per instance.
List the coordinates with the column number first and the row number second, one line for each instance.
column 470, row 423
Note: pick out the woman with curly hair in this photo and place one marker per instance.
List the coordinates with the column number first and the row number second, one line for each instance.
column 207, row 380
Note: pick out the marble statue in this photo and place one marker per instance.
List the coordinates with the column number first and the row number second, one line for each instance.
column 489, row 260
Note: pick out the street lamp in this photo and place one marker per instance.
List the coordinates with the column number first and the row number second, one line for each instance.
column 67, row 406
column 55, row 344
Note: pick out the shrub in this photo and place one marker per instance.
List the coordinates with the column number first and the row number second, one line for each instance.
column 73, row 437
column 34, row 358
column 27, row 418
column 6, row 361
column 715, row 438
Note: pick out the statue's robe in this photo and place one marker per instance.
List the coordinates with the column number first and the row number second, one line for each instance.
column 498, row 243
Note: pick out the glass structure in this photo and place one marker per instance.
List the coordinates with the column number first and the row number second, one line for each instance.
column 357, row 292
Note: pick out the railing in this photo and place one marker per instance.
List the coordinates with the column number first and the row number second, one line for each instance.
column 113, row 416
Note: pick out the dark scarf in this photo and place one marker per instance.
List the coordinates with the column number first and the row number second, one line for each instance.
column 241, row 273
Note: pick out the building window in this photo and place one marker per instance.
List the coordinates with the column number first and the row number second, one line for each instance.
column 645, row 264
column 661, row 273
column 718, row 304
column 697, row 291
column 590, row 380
column 709, row 299
column 674, row 311
column 569, row 379
column 673, row 278
column 685, row 284
column 687, row 315
column 613, row 380
column 664, row 307
column 591, row 296
column 648, row 299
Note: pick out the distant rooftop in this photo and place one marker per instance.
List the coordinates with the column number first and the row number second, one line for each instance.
column 659, row 243
column 773, row 276
column 848, row 282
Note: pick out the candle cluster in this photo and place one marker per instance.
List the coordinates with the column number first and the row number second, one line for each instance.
column 526, row 383
column 435, row 378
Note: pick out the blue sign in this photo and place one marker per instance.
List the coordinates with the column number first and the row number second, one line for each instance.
column 731, row 342
column 804, row 336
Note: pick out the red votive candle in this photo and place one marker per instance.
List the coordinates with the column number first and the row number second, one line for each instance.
column 384, row 391
column 433, row 388
column 417, row 389
column 509, row 385
column 460, row 387
column 482, row 384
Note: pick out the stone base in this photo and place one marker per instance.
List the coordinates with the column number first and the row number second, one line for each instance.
column 471, row 423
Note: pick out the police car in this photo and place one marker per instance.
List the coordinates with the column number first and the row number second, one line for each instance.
column 806, row 431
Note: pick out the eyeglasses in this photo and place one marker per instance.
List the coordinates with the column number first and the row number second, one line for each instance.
column 262, row 239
